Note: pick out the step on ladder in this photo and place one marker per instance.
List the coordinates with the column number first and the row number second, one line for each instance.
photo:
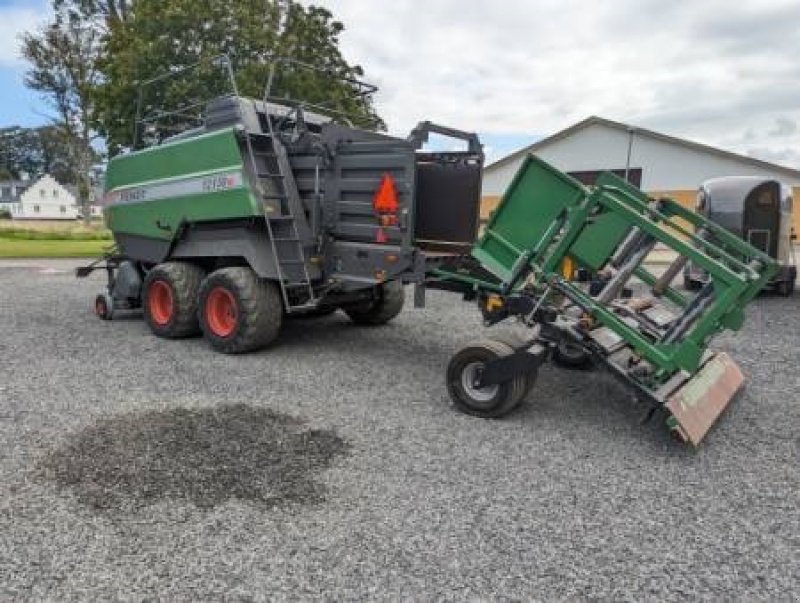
column 270, row 163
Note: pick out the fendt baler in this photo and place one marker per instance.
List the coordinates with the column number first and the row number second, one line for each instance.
column 265, row 209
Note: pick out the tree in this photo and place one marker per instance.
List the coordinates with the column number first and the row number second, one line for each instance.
column 63, row 57
column 157, row 37
column 38, row 151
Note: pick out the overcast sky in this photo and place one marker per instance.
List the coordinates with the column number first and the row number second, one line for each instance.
column 721, row 72
column 716, row 71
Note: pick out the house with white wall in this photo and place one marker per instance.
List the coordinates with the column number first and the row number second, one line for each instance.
column 46, row 199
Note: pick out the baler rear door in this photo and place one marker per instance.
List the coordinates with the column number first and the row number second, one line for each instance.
column 448, row 201
column 360, row 168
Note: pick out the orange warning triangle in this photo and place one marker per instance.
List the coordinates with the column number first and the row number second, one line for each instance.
column 385, row 200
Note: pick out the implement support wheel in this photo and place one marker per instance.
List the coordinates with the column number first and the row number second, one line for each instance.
column 170, row 299
column 464, row 370
column 238, row 311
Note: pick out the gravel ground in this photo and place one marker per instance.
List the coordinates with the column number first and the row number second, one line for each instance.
column 332, row 466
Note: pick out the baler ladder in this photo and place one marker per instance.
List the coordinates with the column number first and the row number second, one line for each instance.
column 270, row 166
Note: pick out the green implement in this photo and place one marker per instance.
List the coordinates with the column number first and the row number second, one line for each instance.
column 549, row 230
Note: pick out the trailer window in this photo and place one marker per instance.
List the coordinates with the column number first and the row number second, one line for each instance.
column 766, row 199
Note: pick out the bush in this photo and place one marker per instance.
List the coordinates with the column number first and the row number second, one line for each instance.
column 5, row 214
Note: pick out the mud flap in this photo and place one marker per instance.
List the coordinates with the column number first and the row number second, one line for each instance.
column 697, row 404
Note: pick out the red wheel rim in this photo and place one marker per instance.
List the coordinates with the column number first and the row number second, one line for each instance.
column 221, row 312
column 160, row 302
column 100, row 307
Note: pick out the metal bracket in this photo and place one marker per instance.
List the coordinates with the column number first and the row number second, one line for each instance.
column 506, row 368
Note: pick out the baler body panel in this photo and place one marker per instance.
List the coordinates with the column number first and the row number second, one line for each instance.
column 199, row 179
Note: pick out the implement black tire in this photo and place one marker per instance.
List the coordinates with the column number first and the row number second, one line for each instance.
column 490, row 402
column 387, row 304
column 169, row 299
column 238, row 311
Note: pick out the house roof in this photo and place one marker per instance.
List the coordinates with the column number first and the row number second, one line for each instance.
column 595, row 120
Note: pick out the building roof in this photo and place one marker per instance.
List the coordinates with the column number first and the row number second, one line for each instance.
column 595, row 120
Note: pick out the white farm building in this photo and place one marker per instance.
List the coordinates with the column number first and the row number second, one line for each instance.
column 659, row 164
column 45, row 199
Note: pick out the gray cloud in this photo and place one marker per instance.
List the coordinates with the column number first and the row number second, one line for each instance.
column 783, row 127
column 718, row 72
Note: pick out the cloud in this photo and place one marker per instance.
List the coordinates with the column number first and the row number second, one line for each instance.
column 710, row 71
column 783, row 127
column 16, row 19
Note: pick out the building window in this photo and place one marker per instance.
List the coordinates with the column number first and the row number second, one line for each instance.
column 55, row 193
column 6, row 192
column 36, row 209
column 63, row 209
column 42, row 192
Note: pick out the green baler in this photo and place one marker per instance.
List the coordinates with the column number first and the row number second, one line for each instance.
column 264, row 208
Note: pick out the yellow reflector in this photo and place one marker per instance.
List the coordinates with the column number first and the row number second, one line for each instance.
column 568, row 267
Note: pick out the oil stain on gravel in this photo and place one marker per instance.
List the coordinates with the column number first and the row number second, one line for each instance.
column 206, row 456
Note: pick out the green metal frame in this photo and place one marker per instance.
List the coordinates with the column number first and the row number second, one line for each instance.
column 546, row 216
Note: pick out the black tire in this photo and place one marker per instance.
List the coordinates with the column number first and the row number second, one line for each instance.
column 183, row 282
column 491, row 402
column 388, row 303
column 515, row 341
column 571, row 355
column 257, row 310
column 104, row 306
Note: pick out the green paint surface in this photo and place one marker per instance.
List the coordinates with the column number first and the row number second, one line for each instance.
column 191, row 158
column 605, row 231
column 205, row 153
column 536, row 197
